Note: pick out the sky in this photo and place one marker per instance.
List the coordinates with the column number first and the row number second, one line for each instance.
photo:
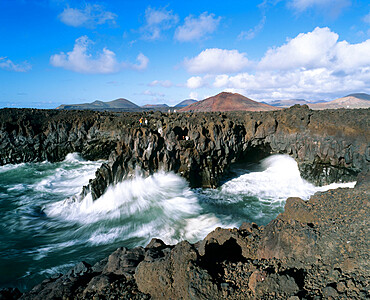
column 56, row 52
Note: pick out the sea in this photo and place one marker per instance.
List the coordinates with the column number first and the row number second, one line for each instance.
column 44, row 230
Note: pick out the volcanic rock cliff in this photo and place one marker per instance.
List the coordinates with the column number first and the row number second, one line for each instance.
column 329, row 146
column 316, row 249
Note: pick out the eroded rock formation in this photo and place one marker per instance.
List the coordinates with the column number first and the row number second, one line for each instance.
column 329, row 146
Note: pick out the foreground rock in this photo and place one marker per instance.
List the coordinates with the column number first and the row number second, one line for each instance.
column 317, row 249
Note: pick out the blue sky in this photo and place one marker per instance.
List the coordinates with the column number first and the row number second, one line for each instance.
column 59, row 51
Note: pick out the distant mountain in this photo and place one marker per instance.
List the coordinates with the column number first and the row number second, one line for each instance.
column 291, row 102
column 287, row 103
column 228, row 102
column 185, row 103
column 155, row 106
column 359, row 100
column 362, row 96
column 120, row 104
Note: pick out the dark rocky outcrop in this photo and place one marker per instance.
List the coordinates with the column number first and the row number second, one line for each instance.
column 329, row 146
column 317, row 249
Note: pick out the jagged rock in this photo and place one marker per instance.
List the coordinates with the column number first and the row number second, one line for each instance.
column 329, row 146
column 124, row 261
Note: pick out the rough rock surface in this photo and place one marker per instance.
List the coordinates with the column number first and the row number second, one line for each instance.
column 329, row 146
column 314, row 250
column 317, row 249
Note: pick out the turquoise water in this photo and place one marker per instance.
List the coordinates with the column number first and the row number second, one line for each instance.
column 44, row 230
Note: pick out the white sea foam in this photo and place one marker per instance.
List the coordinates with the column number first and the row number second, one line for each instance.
column 73, row 173
column 57, row 269
column 73, row 158
column 161, row 205
column 104, row 236
column 39, row 253
column 168, row 194
column 279, row 180
column 17, row 187
column 202, row 225
column 9, row 167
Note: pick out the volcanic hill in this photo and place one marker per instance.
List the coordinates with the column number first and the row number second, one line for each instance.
column 359, row 100
column 185, row 103
column 118, row 104
column 228, row 102
column 291, row 102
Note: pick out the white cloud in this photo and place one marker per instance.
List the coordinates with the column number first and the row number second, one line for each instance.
column 78, row 60
column 195, row 82
column 333, row 7
column 162, row 83
column 313, row 65
column 196, row 28
column 216, row 60
column 317, row 49
column 221, row 81
column 251, row 33
column 308, row 84
column 7, row 64
column 143, row 62
column 156, row 21
column 307, row 50
column 90, row 16
column 193, row 95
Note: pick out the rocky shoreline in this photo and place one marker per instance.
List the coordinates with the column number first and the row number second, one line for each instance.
column 329, row 146
column 315, row 249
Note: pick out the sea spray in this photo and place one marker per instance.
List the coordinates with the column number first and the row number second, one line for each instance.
column 259, row 196
column 156, row 206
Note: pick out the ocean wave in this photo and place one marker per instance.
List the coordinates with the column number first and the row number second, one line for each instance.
column 279, row 180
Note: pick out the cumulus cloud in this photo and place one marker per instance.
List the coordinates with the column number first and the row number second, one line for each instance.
column 162, row 83
column 333, row 7
column 142, row 64
column 317, row 83
column 195, row 82
column 156, row 21
column 195, row 28
column 7, row 64
column 89, row 16
column 307, row 50
column 317, row 49
column 313, row 65
column 79, row 60
column 216, row 60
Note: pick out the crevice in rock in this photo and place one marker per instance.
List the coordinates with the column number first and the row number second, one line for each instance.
column 216, row 255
